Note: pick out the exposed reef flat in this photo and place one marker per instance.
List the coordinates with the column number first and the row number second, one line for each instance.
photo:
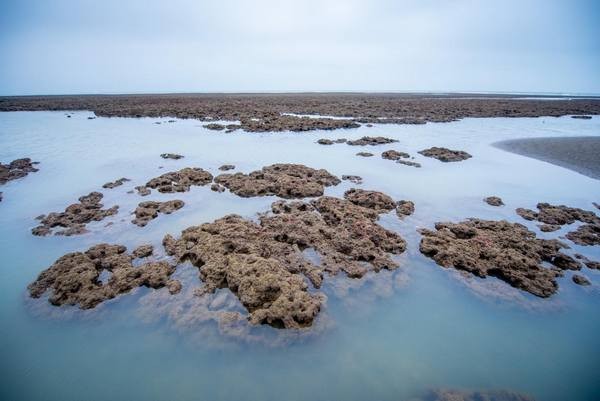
column 579, row 154
column 263, row 263
column 284, row 180
column 74, row 279
column 500, row 249
column 75, row 217
column 147, row 211
column 16, row 169
column 445, row 155
column 265, row 112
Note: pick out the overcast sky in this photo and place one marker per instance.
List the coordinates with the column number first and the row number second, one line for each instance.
column 124, row 46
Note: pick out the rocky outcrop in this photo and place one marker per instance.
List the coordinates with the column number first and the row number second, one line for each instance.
column 263, row 264
column 374, row 200
column 147, row 211
column 554, row 217
column 493, row 201
column 445, row 154
column 74, row 279
column 180, row 181
column 283, row 180
column 404, row 208
column 173, row 156
column 116, row 183
column 16, row 169
column 371, row 141
column 75, row 217
column 394, row 155
column 500, row 249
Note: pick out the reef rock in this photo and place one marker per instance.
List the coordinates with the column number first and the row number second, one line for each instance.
column 324, row 141
column 74, row 279
column 405, row 208
column 493, row 201
column 180, row 181
column 394, row 155
column 371, row 141
column 117, row 183
column 445, row 154
column 364, row 154
column 587, row 234
column 75, row 217
column 16, row 169
column 409, row 163
column 263, row 264
column 143, row 251
column 370, row 199
column 226, row 167
column 581, row 280
column 558, row 215
column 589, row 263
column 147, row 211
column 173, row 156
column 355, row 179
column 284, row 180
column 500, row 249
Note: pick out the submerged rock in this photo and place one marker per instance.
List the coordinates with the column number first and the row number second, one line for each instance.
column 173, row 156
column 364, row 154
column 394, row 155
column 217, row 188
column 142, row 190
column 581, row 280
column 226, row 167
column 180, row 181
column 284, row 180
column 508, row 251
column 16, row 169
column 263, row 264
column 147, row 211
column 74, row 279
column 116, row 183
column 371, row 141
column 493, row 201
column 445, row 154
column 75, row 217
column 589, row 263
column 355, row 179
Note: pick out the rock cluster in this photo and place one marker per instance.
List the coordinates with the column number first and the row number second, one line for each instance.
column 147, row 211
column 500, row 249
column 371, row 141
column 18, row 168
column 445, row 154
column 553, row 217
column 263, row 265
column 74, row 279
column 116, row 183
column 180, row 181
column 284, row 180
column 75, row 217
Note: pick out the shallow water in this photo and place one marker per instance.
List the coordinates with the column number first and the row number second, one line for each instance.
column 389, row 336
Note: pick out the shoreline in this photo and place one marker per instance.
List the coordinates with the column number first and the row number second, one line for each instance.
column 579, row 154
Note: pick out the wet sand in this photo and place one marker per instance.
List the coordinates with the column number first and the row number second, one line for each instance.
column 580, row 154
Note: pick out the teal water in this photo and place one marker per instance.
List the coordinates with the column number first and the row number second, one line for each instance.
column 390, row 336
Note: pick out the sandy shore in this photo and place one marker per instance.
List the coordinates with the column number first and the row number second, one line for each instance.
column 581, row 154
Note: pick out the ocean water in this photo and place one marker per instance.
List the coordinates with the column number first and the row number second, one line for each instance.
column 390, row 336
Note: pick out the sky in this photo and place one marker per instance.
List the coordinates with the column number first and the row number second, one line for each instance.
column 146, row 46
